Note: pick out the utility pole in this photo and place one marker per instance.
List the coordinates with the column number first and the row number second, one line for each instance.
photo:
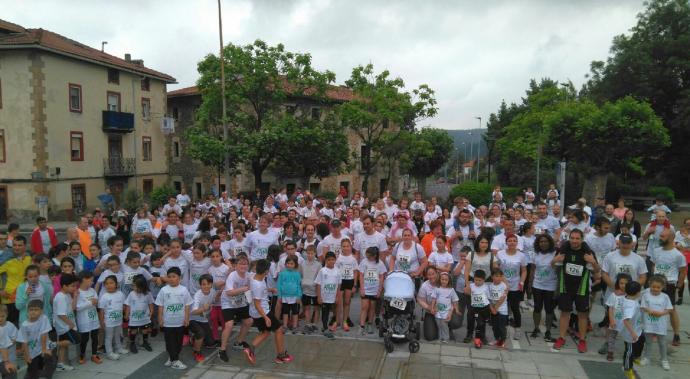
column 471, row 150
column 226, row 132
column 479, row 144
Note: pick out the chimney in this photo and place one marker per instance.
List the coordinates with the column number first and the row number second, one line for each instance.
column 128, row 57
column 138, row 62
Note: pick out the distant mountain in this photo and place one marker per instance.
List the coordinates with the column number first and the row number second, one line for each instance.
column 468, row 136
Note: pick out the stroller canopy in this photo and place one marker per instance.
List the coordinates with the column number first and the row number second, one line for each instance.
column 398, row 284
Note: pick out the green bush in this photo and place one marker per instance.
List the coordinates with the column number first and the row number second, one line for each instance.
column 480, row 193
column 665, row 193
column 132, row 199
column 509, row 194
column 160, row 195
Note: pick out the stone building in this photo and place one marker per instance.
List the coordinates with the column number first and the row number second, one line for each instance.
column 74, row 121
column 199, row 180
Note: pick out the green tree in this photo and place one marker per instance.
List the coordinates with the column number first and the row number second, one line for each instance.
column 312, row 148
column 652, row 63
column 380, row 105
column 430, row 149
column 207, row 148
column 259, row 79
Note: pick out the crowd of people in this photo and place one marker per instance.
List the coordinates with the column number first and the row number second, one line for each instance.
column 292, row 263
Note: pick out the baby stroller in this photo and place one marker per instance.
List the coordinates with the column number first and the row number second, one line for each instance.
column 398, row 324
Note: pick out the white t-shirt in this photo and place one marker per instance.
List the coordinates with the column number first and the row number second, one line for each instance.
column 371, row 273
column 328, row 279
column 601, row 246
column 631, row 311
column 173, row 300
column 189, row 231
column 30, row 333
column 139, row 310
column 259, row 292
column 616, row 303
column 183, row 200
column 496, row 291
column 440, row 259
column 499, row 243
column 219, row 274
column 545, row 276
column 234, row 281
column 112, row 305
column 363, row 241
column 631, row 264
column 87, row 313
column 5, row 340
column 347, row 265
column 445, row 297
column 62, row 306
column 199, row 300
column 408, row 259
column 660, row 302
column 128, row 277
column 232, row 248
column 331, row 243
column 181, row 263
column 142, row 225
column 258, row 244
column 196, row 269
column 511, row 265
column 479, row 296
column 667, row 263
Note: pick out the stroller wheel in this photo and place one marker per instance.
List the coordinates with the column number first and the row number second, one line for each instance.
column 414, row 347
column 388, row 344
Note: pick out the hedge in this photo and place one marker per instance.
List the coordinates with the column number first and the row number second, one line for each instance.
column 480, row 193
column 665, row 193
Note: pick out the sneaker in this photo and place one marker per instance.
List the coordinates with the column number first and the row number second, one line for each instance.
column 665, row 365
column 198, row 356
column 249, row 354
column 478, row 343
column 333, row 327
column 535, row 333
column 443, row 341
column 559, row 343
column 501, row 344
column 82, row 361
column 467, row 339
column 629, row 374
column 346, row 327
column 122, row 351
column 517, row 334
column 64, row 367
column 116, row 356
column 238, row 346
column 349, row 322
column 582, row 346
column 283, row 358
column 178, row 365
column 547, row 336
column 328, row 334
column 603, row 349
column 96, row 359
column 223, row 355
column 370, row 329
column 147, row 346
column 167, row 363
column 362, row 330
column 133, row 348
column 676, row 340
column 644, row 361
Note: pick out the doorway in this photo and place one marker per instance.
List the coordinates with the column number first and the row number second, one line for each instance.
column 3, row 204
column 114, row 146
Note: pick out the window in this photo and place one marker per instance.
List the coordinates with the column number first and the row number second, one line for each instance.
column 148, row 187
column 178, row 186
column 113, row 101
column 364, row 155
column 113, row 76
column 175, row 113
column 316, row 113
column 78, row 198
column 75, row 98
column 76, row 143
column 2, row 146
column 146, row 146
column 176, row 149
column 198, row 190
column 145, row 84
column 145, row 108
column 314, row 187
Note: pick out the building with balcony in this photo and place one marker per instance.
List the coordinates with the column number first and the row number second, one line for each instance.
column 200, row 180
column 74, row 121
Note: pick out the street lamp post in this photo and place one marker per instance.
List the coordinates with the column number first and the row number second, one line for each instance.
column 479, row 144
column 226, row 131
column 471, row 150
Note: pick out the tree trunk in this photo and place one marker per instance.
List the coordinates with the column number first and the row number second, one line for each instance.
column 594, row 187
column 258, row 172
column 365, row 183
column 421, row 185
column 305, row 183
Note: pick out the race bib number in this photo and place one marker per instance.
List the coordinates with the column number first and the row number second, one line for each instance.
column 573, row 269
column 478, row 300
column 404, row 262
column 624, row 269
column 494, row 295
column 347, row 272
column 248, row 297
column 239, row 300
column 663, row 269
column 398, row 303
column 129, row 277
column 371, row 275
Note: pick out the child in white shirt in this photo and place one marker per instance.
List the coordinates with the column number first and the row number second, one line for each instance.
column 199, row 315
column 138, row 310
column 479, row 306
column 441, row 258
column 64, row 304
column 444, row 303
column 87, row 317
column 8, row 334
column 173, row 303
column 33, row 335
column 328, row 292
column 656, row 307
column 111, row 303
column 498, row 295
column 614, row 304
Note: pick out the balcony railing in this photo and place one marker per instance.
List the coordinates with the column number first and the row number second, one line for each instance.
column 119, row 166
column 118, row 122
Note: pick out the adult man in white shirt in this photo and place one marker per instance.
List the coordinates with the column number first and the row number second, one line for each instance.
column 183, row 199
column 461, row 234
column 654, row 229
column 370, row 237
column 546, row 223
column 499, row 241
column 172, row 206
column 670, row 262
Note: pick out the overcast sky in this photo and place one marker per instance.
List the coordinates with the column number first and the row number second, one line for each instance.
column 472, row 53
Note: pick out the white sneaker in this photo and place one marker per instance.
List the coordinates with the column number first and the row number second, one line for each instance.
column 113, row 356
column 167, row 363
column 64, row 367
column 644, row 361
column 665, row 365
column 517, row 334
column 178, row 365
column 123, row 351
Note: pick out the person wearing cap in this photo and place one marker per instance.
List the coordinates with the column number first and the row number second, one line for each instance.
column 622, row 261
column 332, row 242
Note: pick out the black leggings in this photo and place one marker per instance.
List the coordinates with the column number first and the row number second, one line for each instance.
column 632, row 351
column 85, row 342
column 326, row 308
column 514, row 299
column 543, row 299
column 173, row 341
